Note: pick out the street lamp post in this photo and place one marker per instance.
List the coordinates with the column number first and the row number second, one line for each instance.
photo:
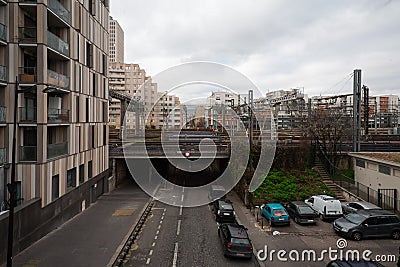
column 12, row 186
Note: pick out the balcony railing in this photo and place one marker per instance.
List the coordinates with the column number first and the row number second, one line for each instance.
column 3, row 156
column 58, row 115
column 27, row 153
column 3, row 113
column 56, row 150
column 27, row 115
column 3, row 73
column 27, row 74
column 57, row 44
column 57, row 79
column 3, row 32
column 27, row 35
column 60, row 10
column 28, row 1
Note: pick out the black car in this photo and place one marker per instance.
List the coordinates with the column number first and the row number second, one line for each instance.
column 301, row 212
column 359, row 263
column 223, row 211
column 235, row 240
column 368, row 223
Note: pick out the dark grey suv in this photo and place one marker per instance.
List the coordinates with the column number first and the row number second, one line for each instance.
column 372, row 223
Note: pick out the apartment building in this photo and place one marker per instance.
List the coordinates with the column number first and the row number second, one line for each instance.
column 132, row 81
column 55, row 53
column 116, row 40
column 171, row 113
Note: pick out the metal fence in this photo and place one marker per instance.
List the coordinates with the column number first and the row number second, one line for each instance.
column 384, row 198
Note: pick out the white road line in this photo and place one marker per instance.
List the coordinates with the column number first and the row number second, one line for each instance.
column 178, row 229
column 175, row 255
column 162, row 217
column 148, row 261
column 161, row 221
column 151, row 252
column 158, row 231
column 159, row 227
column 154, row 243
column 183, row 189
column 155, row 238
column 182, row 198
column 180, row 211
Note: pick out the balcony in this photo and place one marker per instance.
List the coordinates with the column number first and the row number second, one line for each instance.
column 27, row 75
column 3, row 113
column 27, row 35
column 3, row 33
column 59, row 10
column 56, row 150
column 3, row 74
column 27, row 115
column 57, row 115
column 55, row 42
column 28, row 153
column 3, row 156
column 57, row 79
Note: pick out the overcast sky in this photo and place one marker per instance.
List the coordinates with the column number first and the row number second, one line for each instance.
column 277, row 44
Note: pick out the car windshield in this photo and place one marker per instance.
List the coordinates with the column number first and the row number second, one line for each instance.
column 226, row 206
column 279, row 212
column 241, row 241
column 305, row 209
column 354, row 218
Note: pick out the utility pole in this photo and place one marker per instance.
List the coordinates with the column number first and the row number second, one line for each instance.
column 366, row 108
column 356, row 110
column 251, row 117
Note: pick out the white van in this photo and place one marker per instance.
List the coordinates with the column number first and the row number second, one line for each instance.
column 327, row 207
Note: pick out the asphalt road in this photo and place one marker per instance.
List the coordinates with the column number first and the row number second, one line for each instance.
column 175, row 236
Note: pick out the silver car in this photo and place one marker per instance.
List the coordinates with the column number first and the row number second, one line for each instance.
column 352, row 207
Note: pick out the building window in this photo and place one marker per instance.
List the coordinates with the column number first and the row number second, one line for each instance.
column 360, row 163
column 384, row 169
column 71, row 178
column 81, row 173
column 87, row 110
column 55, row 187
column 90, row 170
column 89, row 55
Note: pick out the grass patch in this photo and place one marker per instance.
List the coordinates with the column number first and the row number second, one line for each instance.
column 286, row 186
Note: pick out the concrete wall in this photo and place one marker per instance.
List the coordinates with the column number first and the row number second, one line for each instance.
column 31, row 222
column 370, row 176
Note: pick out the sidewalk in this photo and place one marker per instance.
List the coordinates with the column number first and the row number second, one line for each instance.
column 93, row 236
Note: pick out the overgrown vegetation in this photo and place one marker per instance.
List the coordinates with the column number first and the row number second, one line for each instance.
column 285, row 186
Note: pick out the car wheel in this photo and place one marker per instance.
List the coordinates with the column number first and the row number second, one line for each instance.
column 321, row 217
column 396, row 235
column 357, row 236
column 270, row 222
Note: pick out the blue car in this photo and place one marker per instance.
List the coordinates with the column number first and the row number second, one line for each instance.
column 275, row 214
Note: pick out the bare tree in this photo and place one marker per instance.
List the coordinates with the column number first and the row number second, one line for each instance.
column 329, row 128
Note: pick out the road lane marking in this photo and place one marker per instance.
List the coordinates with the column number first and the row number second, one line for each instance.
column 161, row 221
column 175, row 255
column 151, row 252
column 178, row 229
column 159, row 227
column 155, row 238
column 180, row 211
column 182, row 198
column 148, row 261
column 154, row 243
column 158, row 231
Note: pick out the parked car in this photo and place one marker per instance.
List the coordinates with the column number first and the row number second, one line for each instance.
column 354, row 263
column 235, row 240
column 216, row 192
column 368, row 223
column 327, row 207
column 275, row 214
column 352, row 207
column 223, row 211
column 301, row 213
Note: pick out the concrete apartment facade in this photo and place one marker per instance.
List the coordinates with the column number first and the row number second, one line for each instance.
column 116, row 40
column 170, row 113
column 60, row 47
column 131, row 80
